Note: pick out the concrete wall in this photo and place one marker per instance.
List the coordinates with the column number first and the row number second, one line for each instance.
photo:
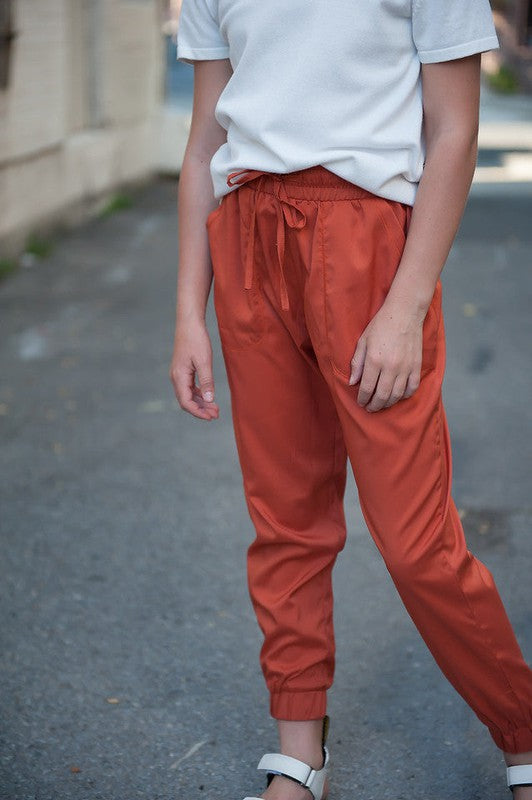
column 79, row 116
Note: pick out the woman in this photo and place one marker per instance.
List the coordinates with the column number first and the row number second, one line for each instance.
column 340, row 139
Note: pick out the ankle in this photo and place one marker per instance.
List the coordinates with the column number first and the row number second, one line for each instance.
column 314, row 758
column 522, row 793
column 516, row 759
column 303, row 740
column 519, row 792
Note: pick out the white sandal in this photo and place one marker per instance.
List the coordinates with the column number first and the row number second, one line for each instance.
column 296, row 770
column 519, row 775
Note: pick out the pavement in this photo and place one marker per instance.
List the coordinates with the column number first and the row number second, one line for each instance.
column 505, row 144
column 128, row 647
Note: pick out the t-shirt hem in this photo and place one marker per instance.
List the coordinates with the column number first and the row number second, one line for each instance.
column 397, row 188
column 458, row 50
column 201, row 53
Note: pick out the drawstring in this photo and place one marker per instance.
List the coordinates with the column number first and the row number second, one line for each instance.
column 251, row 174
column 286, row 211
column 250, row 252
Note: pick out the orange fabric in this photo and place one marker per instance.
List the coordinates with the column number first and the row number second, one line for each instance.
column 301, row 264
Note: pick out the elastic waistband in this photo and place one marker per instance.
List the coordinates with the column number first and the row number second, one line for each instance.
column 312, row 183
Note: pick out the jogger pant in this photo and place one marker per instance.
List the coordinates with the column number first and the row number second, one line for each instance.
column 302, row 262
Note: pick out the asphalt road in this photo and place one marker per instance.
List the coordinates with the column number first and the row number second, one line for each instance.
column 129, row 650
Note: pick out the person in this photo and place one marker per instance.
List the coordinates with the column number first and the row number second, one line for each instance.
column 331, row 151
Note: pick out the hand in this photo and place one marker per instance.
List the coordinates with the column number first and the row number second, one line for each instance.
column 192, row 357
column 387, row 359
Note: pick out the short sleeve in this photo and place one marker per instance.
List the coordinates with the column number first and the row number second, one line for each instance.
column 198, row 33
column 452, row 29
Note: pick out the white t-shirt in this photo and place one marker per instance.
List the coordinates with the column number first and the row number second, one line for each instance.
column 330, row 82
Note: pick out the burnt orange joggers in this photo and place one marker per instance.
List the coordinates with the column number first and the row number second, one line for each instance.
column 302, row 261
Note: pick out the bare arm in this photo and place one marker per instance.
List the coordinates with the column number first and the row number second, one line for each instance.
column 192, row 355
column 387, row 359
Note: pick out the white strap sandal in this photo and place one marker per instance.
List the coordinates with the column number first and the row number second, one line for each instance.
column 519, row 775
column 296, row 770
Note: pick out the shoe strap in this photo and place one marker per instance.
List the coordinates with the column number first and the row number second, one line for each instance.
column 299, row 771
column 519, row 775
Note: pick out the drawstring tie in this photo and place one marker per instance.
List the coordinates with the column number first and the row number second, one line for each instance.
column 286, row 211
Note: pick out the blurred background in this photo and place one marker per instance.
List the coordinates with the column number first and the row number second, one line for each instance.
column 128, row 646
column 92, row 97
column 89, row 101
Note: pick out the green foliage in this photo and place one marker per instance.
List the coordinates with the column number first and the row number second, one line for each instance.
column 7, row 266
column 118, row 202
column 38, row 247
column 504, row 80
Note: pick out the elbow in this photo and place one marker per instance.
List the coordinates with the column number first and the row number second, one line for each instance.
column 467, row 137
column 454, row 141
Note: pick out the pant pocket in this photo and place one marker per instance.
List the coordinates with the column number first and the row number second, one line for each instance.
column 431, row 327
column 239, row 311
column 429, row 357
column 362, row 245
column 395, row 219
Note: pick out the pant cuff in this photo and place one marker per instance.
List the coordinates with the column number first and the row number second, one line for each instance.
column 518, row 741
column 298, row 705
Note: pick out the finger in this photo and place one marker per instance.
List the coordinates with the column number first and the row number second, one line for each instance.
column 382, row 392
column 368, row 382
column 357, row 362
column 211, row 407
column 205, row 380
column 412, row 384
column 196, row 408
column 183, row 380
column 398, row 391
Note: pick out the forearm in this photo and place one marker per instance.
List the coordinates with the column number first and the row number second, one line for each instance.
column 436, row 215
column 195, row 202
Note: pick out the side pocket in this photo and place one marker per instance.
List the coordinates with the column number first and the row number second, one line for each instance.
column 239, row 311
column 395, row 218
column 215, row 212
column 430, row 331
column 431, row 327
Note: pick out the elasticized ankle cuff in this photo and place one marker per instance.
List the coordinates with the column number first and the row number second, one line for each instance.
column 298, row 705
column 518, row 741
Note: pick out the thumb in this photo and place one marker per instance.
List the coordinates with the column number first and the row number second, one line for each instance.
column 206, row 382
column 357, row 362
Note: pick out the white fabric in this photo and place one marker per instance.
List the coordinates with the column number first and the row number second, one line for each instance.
column 330, row 82
column 519, row 775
